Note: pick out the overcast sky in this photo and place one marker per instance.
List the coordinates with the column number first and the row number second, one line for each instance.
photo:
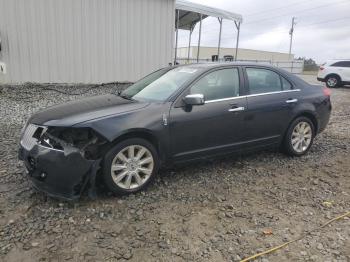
column 322, row 31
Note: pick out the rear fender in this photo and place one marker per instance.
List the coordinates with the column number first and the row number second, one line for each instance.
column 307, row 110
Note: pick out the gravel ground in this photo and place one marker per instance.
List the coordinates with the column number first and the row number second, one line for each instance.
column 220, row 210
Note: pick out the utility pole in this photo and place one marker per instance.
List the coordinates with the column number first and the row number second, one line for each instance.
column 291, row 31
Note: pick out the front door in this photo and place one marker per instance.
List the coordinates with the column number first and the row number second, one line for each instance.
column 216, row 126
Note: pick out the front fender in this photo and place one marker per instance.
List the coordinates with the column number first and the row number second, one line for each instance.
column 149, row 122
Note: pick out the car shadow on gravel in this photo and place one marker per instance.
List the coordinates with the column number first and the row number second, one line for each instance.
column 204, row 169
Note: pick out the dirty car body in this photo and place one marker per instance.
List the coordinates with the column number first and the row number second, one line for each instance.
column 62, row 146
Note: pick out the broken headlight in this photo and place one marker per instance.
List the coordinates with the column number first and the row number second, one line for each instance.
column 86, row 140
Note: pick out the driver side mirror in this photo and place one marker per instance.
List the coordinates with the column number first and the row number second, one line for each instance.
column 194, row 99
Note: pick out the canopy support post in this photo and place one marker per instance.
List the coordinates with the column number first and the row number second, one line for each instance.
column 238, row 26
column 177, row 34
column 220, row 21
column 199, row 37
column 189, row 45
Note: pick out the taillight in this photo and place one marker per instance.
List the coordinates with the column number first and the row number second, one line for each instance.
column 326, row 91
column 321, row 68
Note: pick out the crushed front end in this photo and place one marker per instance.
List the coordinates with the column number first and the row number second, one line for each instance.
column 61, row 161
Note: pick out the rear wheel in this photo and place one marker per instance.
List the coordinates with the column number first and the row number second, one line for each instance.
column 333, row 81
column 299, row 137
column 130, row 166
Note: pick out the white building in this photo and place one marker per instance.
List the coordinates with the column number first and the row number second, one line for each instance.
column 93, row 41
column 85, row 41
column 206, row 53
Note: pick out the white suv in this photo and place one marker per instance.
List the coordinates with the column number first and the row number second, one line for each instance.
column 335, row 73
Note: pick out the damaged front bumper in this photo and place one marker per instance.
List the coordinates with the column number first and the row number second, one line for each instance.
column 59, row 173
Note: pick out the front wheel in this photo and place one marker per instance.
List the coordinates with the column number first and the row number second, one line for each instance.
column 130, row 166
column 299, row 137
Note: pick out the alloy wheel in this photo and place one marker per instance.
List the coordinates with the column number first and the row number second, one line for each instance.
column 301, row 137
column 332, row 82
column 132, row 167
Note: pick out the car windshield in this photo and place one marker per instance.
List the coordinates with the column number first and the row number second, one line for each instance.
column 159, row 85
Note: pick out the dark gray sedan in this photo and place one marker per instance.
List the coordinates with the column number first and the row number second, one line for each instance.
column 173, row 115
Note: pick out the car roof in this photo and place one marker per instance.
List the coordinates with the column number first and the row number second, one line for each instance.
column 217, row 64
column 211, row 65
column 337, row 60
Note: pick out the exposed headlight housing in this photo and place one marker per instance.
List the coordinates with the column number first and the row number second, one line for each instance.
column 86, row 140
column 65, row 139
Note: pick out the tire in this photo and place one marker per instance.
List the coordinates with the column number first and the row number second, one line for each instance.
column 292, row 143
column 333, row 81
column 131, row 173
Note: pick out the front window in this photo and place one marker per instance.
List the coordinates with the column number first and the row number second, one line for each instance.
column 220, row 84
column 159, row 85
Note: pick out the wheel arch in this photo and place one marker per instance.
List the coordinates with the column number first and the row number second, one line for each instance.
column 333, row 74
column 309, row 115
column 139, row 133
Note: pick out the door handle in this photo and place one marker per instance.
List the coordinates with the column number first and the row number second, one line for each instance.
column 236, row 109
column 289, row 101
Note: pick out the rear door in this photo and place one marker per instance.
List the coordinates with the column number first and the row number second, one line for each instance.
column 270, row 99
column 342, row 68
column 212, row 128
column 345, row 73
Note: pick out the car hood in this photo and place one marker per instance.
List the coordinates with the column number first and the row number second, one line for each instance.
column 82, row 110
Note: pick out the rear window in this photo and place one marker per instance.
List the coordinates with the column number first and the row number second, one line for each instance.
column 341, row 64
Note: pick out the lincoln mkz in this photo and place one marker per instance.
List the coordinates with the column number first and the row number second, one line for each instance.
column 173, row 115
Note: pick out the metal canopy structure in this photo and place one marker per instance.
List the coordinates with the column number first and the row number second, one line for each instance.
column 189, row 14
column 187, row 19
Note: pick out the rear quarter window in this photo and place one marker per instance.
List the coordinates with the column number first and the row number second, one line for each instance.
column 285, row 84
column 341, row 64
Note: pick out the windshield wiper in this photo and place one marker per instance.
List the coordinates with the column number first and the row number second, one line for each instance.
column 125, row 97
